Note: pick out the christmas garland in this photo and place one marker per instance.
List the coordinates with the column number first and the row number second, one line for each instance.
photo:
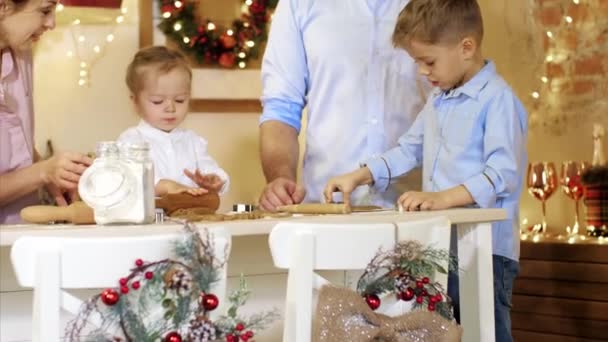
column 209, row 44
column 407, row 271
column 168, row 300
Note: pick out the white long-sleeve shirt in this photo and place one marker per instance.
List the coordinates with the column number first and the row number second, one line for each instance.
column 172, row 152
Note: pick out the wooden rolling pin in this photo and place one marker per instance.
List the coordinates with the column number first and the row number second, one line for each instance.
column 172, row 202
column 325, row 208
column 77, row 213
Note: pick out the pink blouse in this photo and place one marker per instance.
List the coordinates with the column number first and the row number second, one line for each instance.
column 16, row 124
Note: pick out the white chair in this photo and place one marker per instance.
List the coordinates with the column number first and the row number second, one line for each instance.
column 306, row 247
column 51, row 264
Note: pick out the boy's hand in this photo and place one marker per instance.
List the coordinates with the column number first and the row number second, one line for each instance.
column 210, row 182
column 166, row 186
column 346, row 184
column 416, row 200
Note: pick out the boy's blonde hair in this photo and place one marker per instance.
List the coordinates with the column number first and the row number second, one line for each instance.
column 158, row 58
column 438, row 21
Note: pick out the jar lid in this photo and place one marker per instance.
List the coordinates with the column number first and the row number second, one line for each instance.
column 104, row 185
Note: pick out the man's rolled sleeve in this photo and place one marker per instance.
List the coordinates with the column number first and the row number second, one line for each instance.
column 289, row 113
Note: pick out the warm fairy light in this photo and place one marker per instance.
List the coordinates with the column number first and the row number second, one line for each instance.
column 167, row 15
column 211, row 26
column 549, row 58
column 83, row 73
column 544, row 79
column 186, row 40
column 83, row 64
column 124, row 10
column 250, row 43
column 535, row 95
column 246, row 24
column 81, row 39
column 97, row 49
column 81, row 82
column 60, row 7
column 242, row 55
column 76, row 22
column 177, row 27
column 576, row 2
column 178, row 4
column 248, row 2
column 536, row 238
column 242, row 65
column 569, row 19
column 230, row 32
column 110, row 38
column 120, row 19
column 549, row 34
column 571, row 240
column 70, row 54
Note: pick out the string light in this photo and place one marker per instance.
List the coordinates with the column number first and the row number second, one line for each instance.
column 178, row 4
column 568, row 19
column 242, row 65
column 110, row 38
column 211, row 26
column 81, row 39
column 70, row 54
column 544, row 79
column 535, row 95
column 167, row 15
column 97, row 49
column 120, row 19
column 250, row 43
column 76, row 22
column 177, row 26
column 242, row 55
column 576, row 2
column 248, row 2
column 230, row 32
column 60, row 7
column 186, row 40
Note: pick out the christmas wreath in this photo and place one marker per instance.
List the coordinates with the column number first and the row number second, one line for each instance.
column 169, row 301
column 210, row 44
column 407, row 271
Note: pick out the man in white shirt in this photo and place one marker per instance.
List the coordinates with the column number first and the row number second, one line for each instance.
column 336, row 58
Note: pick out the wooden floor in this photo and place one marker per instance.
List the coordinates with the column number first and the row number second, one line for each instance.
column 561, row 293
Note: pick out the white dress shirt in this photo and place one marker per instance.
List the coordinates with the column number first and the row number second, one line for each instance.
column 174, row 151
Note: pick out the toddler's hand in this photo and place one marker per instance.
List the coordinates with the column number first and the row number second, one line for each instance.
column 416, row 200
column 210, row 182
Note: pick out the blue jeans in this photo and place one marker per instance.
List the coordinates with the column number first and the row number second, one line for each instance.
column 505, row 271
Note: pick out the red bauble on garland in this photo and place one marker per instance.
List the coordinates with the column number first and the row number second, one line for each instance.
column 173, row 337
column 110, row 297
column 373, row 301
column 209, row 301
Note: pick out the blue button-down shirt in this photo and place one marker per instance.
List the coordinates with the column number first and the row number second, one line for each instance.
column 474, row 135
column 362, row 94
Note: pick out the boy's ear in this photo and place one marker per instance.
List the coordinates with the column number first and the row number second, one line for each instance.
column 468, row 47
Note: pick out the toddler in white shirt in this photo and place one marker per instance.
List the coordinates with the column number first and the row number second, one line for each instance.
column 160, row 83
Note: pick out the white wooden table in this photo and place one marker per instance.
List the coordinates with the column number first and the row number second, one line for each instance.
column 474, row 249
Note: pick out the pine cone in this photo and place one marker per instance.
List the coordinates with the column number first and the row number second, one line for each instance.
column 201, row 330
column 178, row 279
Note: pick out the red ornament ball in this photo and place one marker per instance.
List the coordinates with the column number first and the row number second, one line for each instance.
column 231, row 338
column 135, row 285
column 239, row 327
column 122, row 281
column 407, row 295
column 173, row 337
column 124, row 289
column 139, row 262
column 373, row 301
column 110, row 297
column 249, row 333
column 228, row 41
column 210, row 301
column 149, row 275
column 227, row 59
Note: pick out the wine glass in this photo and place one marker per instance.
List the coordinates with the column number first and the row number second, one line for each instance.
column 571, row 185
column 542, row 182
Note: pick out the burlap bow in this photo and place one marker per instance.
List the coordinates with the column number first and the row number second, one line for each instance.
column 343, row 315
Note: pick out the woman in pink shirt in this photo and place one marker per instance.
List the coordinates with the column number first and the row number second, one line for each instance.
column 22, row 22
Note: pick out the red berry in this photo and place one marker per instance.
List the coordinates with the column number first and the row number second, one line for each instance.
column 231, row 338
column 433, row 299
column 431, row 307
column 173, row 337
column 110, row 297
column 419, row 284
column 419, row 300
column 123, row 281
column 424, row 293
column 249, row 333
column 425, row 280
column 139, row 262
column 438, row 297
column 149, row 275
column 244, row 338
column 135, row 285
column 124, row 289
column 239, row 327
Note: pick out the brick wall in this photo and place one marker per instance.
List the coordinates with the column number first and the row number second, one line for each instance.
column 574, row 49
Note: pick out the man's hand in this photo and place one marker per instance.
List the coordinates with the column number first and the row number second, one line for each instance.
column 281, row 191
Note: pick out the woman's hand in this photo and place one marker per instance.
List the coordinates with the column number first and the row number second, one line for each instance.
column 210, row 182
column 64, row 169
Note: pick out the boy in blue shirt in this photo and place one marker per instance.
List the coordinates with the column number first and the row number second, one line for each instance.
column 470, row 137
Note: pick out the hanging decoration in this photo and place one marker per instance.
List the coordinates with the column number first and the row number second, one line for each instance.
column 169, row 300
column 211, row 44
